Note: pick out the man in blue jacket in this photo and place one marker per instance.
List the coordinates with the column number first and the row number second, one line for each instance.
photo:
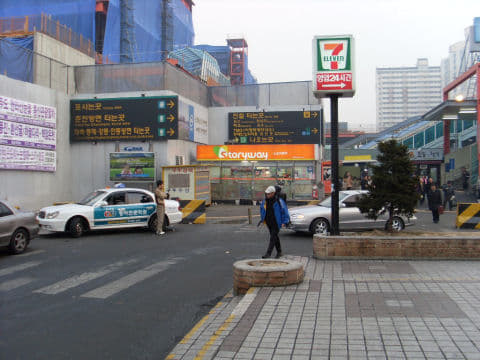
column 274, row 212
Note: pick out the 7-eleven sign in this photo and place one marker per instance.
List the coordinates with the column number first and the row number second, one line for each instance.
column 333, row 65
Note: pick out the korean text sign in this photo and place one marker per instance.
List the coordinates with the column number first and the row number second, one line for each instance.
column 144, row 118
column 28, row 135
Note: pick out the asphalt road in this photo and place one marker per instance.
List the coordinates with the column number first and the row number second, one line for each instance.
column 128, row 294
column 120, row 295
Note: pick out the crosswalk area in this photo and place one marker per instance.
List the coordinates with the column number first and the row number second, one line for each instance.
column 25, row 275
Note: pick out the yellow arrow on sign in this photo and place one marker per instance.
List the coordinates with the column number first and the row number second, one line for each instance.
column 171, row 132
column 171, row 117
column 314, row 130
column 171, row 104
column 315, row 114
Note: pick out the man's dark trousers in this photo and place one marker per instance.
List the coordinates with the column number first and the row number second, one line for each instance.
column 435, row 215
column 274, row 240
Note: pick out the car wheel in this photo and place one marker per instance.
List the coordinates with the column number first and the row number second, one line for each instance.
column 19, row 241
column 152, row 224
column 397, row 224
column 320, row 226
column 76, row 227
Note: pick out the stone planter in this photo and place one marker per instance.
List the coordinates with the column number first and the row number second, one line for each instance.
column 265, row 272
column 457, row 247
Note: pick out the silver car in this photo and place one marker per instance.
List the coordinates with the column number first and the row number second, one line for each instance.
column 17, row 228
column 316, row 219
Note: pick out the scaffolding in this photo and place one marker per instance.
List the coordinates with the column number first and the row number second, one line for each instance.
column 238, row 60
column 127, row 32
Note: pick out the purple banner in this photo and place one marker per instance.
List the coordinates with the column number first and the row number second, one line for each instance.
column 18, row 158
column 26, row 120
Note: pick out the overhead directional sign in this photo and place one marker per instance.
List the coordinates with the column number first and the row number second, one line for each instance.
column 144, row 118
column 333, row 67
column 280, row 127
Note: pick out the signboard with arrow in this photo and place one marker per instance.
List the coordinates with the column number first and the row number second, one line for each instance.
column 143, row 118
column 333, row 67
column 280, row 127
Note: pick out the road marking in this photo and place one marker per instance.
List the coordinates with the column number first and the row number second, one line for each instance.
column 21, row 267
column 35, row 252
column 203, row 351
column 13, row 284
column 78, row 280
column 130, row 280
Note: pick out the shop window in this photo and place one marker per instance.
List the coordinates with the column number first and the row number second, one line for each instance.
column 236, row 172
column 304, row 173
column 284, row 173
column 215, row 174
column 452, row 126
column 265, row 172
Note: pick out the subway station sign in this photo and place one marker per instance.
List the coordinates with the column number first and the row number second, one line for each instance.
column 144, row 118
column 280, row 127
column 333, row 65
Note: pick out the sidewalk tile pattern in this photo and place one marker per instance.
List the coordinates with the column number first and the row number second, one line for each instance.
column 366, row 309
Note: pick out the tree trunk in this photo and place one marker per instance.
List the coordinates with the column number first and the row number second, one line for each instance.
column 390, row 219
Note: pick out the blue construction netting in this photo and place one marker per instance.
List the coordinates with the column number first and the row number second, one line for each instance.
column 146, row 31
column 16, row 58
column 248, row 77
column 79, row 15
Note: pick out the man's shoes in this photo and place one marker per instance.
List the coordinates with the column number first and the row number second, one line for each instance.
column 278, row 256
column 160, row 233
column 266, row 256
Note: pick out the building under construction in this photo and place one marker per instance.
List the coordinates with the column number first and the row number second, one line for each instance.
column 117, row 31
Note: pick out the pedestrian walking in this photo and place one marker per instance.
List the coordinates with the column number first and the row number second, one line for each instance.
column 348, row 181
column 421, row 190
column 434, row 202
column 160, row 200
column 274, row 213
column 448, row 195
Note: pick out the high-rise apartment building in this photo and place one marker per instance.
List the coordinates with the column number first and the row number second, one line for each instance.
column 403, row 92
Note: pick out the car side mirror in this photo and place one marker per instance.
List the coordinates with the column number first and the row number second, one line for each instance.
column 102, row 204
column 343, row 205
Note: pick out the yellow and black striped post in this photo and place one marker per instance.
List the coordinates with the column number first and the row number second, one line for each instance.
column 468, row 216
column 193, row 211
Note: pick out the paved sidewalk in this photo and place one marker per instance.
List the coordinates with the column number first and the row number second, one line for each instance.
column 365, row 309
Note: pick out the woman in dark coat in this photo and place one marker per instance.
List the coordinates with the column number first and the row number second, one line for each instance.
column 434, row 202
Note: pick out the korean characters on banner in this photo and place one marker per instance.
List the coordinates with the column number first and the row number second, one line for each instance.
column 28, row 135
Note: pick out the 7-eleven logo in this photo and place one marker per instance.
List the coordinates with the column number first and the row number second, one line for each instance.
column 334, row 54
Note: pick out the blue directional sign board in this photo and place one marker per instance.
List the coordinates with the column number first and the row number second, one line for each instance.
column 279, row 127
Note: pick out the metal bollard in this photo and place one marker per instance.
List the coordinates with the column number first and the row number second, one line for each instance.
column 249, row 215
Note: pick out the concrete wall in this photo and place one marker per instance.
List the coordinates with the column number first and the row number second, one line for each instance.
column 34, row 189
column 53, row 63
column 90, row 161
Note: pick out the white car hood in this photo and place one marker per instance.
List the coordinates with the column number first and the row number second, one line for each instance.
column 66, row 208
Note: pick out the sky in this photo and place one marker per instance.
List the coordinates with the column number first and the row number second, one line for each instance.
column 387, row 33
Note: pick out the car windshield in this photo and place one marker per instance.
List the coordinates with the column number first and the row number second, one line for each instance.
column 328, row 201
column 91, row 198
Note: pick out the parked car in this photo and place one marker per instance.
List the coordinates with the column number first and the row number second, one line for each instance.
column 316, row 219
column 17, row 228
column 116, row 208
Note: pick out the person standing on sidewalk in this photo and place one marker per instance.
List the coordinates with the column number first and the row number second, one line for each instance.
column 160, row 200
column 273, row 212
column 465, row 178
column 434, row 202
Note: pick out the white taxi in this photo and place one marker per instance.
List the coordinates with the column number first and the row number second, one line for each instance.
column 116, row 208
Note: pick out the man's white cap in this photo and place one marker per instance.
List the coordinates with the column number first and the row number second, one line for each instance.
column 270, row 189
